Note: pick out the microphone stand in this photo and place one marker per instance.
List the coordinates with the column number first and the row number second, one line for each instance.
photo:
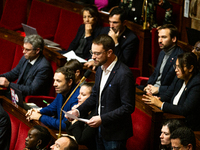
column 86, row 75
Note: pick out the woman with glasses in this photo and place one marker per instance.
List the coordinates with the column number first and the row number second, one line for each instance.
column 90, row 29
column 183, row 96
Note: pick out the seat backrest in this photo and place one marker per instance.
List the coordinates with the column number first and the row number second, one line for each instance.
column 18, row 56
column 44, row 18
column 19, row 132
column 68, row 25
column 141, row 123
column 14, row 13
column 7, row 51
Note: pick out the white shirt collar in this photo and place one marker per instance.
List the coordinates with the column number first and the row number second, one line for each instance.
column 33, row 61
column 110, row 67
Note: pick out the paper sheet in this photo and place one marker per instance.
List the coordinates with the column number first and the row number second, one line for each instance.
column 71, row 55
column 74, row 117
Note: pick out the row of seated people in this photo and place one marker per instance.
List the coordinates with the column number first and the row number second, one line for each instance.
column 175, row 80
column 126, row 41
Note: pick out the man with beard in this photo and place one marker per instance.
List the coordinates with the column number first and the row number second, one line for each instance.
column 113, row 96
column 126, row 42
column 164, row 73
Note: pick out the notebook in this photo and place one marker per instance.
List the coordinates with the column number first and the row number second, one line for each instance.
column 31, row 30
column 16, row 96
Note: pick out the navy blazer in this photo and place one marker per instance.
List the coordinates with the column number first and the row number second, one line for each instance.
column 75, row 43
column 117, row 102
column 127, row 48
column 38, row 80
column 168, row 73
column 189, row 102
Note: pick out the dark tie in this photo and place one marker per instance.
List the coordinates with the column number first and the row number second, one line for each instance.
column 26, row 73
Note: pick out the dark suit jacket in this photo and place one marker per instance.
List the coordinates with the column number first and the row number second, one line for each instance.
column 117, row 102
column 128, row 46
column 38, row 80
column 168, row 74
column 75, row 43
column 5, row 129
column 189, row 102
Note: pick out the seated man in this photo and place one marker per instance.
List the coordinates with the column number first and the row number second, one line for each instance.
column 38, row 138
column 65, row 143
column 164, row 73
column 183, row 138
column 64, row 85
column 34, row 72
column 126, row 42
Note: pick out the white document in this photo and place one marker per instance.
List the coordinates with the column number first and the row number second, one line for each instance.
column 71, row 55
column 74, row 117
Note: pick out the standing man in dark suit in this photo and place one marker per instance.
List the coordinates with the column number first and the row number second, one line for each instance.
column 164, row 73
column 126, row 42
column 34, row 72
column 113, row 96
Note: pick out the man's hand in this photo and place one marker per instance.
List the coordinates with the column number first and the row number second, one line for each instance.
column 114, row 35
column 94, row 122
column 90, row 64
column 30, row 112
column 88, row 30
column 154, row 90
column 4, row 82
column 34, row 116
column 147, row 89
column 73, row 112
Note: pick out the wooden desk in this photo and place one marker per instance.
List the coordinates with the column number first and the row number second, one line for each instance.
column 19, row 113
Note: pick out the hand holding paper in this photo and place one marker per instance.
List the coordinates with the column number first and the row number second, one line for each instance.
column 74, row 117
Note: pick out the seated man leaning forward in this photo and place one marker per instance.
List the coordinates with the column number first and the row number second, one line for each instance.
column 65, row 143
column 33, row 72
column 64, row 84
column 126, row 42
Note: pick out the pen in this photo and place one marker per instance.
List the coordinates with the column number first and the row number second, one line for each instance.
column 45, row 102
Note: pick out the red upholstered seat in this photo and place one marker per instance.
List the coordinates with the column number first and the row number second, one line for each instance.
column 44, row 18
column 68, row 25
column 19, row 132
column 7, row 51
column 14, row 13
column 141, row 131
column 18, row 56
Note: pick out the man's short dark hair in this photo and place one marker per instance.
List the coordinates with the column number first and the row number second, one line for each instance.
column 69, row 74
column 118, row 11
column 106, row 41
column 186, row 136
column 173, row 30
column 36, row 41
column 72, row 144
column 43, row 134
column 74, row 65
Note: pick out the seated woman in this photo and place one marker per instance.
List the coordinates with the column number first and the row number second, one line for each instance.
column 38, row 138
column 83, row 133
column 77, row 67
column 183, row 96
column 168, row 127
column 86, row 32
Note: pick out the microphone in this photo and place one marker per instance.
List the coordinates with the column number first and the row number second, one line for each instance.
column 85, row 76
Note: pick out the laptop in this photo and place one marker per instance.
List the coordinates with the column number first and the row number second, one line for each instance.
column 31, row 30
column 16, row 96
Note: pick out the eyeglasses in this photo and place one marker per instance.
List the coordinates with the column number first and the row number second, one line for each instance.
column 196, row 48
column 176, row 67
column 96, row 53
column 26, row 49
